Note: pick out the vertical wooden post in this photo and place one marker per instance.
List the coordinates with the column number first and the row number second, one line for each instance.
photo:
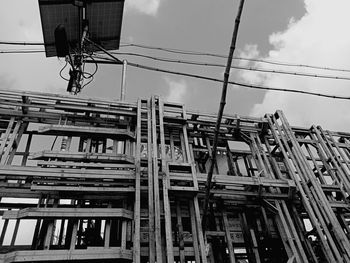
column 151, row 218
column 4, row 157
column 50, row 229
column 107, row 236
column 157, row 228
column 180, row 232
column 16, row 141
column 194, row 233
column 124, row 229
column 228, row 236
column 73, row 229
column 3, row 231
column 60, row 237
column 137, row 204
column 74, row 234
column 37, row 226
column 199, row 230
column 6, row 136
column 26, row 151
column 166, row 201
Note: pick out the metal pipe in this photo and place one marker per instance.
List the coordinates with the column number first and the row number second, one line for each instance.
column 123, row 84
column 104, row 50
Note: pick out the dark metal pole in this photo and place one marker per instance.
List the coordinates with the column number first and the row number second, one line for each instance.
column 220, row 113
column 104, row 50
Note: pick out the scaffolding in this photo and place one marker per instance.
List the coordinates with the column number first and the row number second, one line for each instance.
column 96, row 181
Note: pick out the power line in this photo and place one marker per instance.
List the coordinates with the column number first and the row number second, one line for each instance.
column 195, row 53
column 21, row 43
column 21, row 51
column 245, row 85
column 196, row 63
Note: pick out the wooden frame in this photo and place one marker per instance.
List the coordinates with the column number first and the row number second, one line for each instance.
column 126, row 181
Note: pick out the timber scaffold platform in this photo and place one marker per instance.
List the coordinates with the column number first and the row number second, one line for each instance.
column 85, row 180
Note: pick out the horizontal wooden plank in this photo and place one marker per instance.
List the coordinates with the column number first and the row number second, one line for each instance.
column 27, row 193
column 66, row 255
column 73, row 130
column 35, row 212
column 32, row 171
column 83, row 156
column 227, row 194
column 189, row 252
column 245, row 180
column 99, row 166
column 86, row 189
column 95, row 109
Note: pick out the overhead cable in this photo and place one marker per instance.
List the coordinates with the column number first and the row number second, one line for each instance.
column 197, row 63
column 21, row 51
column 245, row 85
column 195, row 53
column 21, row 43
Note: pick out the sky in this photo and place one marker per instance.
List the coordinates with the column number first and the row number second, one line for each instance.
column 311, row 32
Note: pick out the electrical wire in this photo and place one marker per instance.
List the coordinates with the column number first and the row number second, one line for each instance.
column 204, row 64
column 21, row 43
column 196, row 63
column 212, row 79
column 21, row 51
column 96, row 65
column 196, row 53
column 245, row 85
column 186, row 52
column 90, row 76
column 62, row 70
column 250, row 86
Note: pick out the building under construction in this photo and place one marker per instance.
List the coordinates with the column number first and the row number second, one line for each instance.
column 95, row 181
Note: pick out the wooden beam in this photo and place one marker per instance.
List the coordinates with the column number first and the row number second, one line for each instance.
column 30, row 213
column 157, row 228
column 137, row 203
column 231, row 253
column 151, row 212
column 81, row 156
column 75, row 130
column 166, row 185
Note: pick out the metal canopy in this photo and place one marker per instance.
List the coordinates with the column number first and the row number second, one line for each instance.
column 104, row 18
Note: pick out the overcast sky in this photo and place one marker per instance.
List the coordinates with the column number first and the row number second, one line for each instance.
column 304, row 32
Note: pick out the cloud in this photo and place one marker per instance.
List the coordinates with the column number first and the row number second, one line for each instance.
column 28, row 72
column 177, row 90
column 318, row 38
column 250, row 51
column 148, row 7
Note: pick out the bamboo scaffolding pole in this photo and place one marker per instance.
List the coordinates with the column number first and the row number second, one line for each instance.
column 220, row 114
